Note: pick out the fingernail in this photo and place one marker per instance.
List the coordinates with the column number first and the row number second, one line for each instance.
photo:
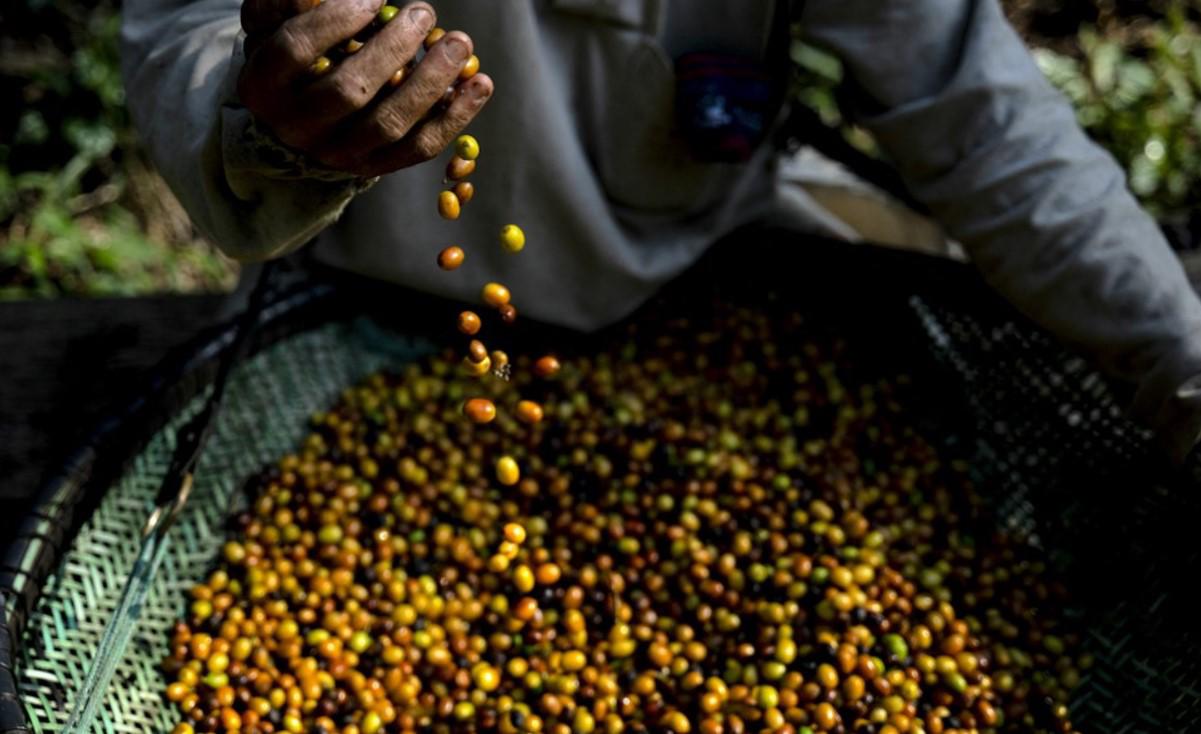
column 478, row 90
column 456, row 49
column 421, row 17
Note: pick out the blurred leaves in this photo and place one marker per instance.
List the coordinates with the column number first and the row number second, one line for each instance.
column 817, row 81
column 1135, row 84
column 80, row 211
column 1140, row 98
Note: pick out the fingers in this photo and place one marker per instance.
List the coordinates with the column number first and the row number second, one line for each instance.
column 340, row 116
column 435, row 134
column 287, row 54
column 392, row 117
column 398, row 112
column 429, row 138
column 358, row 78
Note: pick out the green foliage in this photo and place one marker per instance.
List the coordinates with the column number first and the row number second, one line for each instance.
column 51, row 251
column 1141, row 100
column 70, row 166
column 1138, row 94
column 816, row 80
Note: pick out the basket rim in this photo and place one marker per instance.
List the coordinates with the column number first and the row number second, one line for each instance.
column 66, row 499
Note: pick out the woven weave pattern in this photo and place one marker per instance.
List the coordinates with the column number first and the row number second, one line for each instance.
column 269, row 400
column 1067, row 468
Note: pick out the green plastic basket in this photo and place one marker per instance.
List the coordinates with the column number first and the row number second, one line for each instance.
column 1091, row 492
column 271, row 397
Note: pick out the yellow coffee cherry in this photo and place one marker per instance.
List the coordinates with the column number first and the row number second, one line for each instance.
column 320, row 66
column 448, row 205
column 507, row 472
column 467, row 147
column 512, row 238
column 495, row 295
column 514, row 533
column 470, row 69
column 433, row 37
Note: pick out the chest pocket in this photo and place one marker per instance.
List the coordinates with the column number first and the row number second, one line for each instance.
column 627, row 85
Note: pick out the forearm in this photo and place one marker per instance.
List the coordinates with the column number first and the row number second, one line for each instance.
column 245, row 193
column 996, row 154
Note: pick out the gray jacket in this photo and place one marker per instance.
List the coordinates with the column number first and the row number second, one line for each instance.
column 578, row 149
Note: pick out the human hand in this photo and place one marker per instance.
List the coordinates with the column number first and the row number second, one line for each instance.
column 352, row 116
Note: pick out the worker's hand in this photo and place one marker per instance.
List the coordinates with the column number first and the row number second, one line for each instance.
column 351, row 118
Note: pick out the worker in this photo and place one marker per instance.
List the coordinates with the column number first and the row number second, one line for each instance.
column 594, row 146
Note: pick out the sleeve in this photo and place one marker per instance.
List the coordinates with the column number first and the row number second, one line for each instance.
column 250, row 195
column 982, row 139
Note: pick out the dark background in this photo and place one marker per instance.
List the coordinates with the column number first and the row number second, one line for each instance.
column 67, row 362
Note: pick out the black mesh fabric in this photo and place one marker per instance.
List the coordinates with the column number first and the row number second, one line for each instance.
column 1069, row 468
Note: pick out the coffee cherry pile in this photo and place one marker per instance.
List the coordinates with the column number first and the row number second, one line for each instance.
column 726, row 524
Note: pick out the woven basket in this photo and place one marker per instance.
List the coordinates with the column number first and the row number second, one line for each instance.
column 1046, row 432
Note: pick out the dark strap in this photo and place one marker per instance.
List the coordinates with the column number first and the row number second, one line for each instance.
column 804, row 126
column 194, row 434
